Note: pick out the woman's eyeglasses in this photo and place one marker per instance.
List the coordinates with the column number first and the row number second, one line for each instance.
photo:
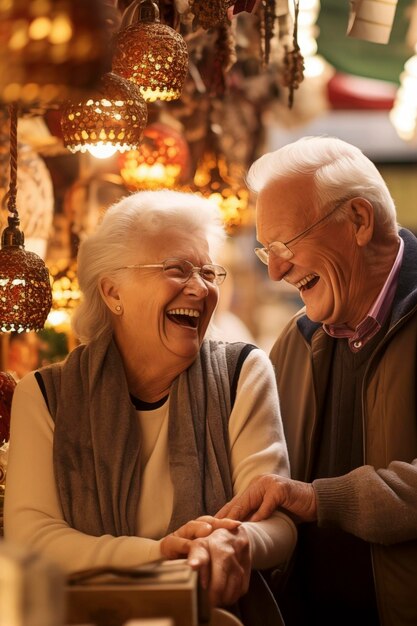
column 182, row 270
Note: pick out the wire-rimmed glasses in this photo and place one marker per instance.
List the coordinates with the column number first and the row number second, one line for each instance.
column 182, row 270
column 281, row 250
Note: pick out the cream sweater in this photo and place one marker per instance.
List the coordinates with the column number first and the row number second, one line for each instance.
column 33, row 513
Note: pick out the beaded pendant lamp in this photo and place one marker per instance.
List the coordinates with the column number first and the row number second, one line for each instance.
column 25, row 290
column 50, row 49
column 108, row 121
column 151, row 54
column 161, row 160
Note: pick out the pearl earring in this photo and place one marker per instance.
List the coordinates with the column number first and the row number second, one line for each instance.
column 118, row 308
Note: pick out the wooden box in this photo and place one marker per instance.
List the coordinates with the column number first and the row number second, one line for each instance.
column 112, row 597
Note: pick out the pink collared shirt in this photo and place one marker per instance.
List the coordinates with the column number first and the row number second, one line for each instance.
column 377, row 314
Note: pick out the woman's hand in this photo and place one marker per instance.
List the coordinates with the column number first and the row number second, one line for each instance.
column 223, row 560
column 177, row 544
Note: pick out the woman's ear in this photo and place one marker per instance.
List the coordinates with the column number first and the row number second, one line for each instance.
column 362, row 216
column 109, row 291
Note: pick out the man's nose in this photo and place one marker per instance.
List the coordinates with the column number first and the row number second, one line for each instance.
column 278, row 267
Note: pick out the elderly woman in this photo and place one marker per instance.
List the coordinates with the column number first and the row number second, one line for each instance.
column 117, row 452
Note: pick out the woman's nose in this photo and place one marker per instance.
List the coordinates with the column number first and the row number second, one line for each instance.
column 195, row 284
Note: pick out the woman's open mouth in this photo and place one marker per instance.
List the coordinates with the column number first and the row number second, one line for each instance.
column 184, row 317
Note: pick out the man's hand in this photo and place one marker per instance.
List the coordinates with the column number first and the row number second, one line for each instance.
column 269, row 492
column 177, row 544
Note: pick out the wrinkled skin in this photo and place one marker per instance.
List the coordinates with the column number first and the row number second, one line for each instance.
column 219, row 550
column 268, row 493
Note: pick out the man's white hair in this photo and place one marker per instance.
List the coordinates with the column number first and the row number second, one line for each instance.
column 337, row 169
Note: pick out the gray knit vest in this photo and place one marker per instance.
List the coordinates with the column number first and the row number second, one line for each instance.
column 96, row 453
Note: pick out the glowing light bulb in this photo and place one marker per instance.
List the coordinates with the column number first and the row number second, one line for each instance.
column 101, row 150
column 403, row 114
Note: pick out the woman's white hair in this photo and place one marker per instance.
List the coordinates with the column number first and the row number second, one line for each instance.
column 338, row 169
column 126, row 227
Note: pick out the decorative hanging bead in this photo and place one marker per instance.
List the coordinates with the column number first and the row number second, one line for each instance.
column 210, row 14
column 293, row 72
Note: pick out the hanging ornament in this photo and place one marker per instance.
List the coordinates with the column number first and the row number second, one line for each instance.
column 150, row 54
column 210, row 14
column 222, row 181
column 7, row 385
column 268, row 17
column 50, row 49
column 161, row 160
column 35, row 196
column 293, row 73
column 25, row 290
column 223, row 57
column 108, row 121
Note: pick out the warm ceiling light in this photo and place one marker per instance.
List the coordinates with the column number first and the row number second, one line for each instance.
column 151, row 54
column 50, row 49
column 161, row 160
column 25, row 290
column 403, row 115
column 223, row 183
column 109, row 121
column 66, row 293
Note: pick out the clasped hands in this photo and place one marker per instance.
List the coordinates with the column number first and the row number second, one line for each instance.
column 219, row 549
column 219, row 546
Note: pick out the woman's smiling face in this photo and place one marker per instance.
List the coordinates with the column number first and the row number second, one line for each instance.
column 161, row 315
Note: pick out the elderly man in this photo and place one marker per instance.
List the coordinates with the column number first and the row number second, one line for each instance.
column 346, row 368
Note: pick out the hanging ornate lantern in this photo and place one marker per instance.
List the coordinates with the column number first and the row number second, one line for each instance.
column 161, row 160
column 50, row 48
column 216, row 180
column 106, row 122
column 151, row 54
column 25, row 290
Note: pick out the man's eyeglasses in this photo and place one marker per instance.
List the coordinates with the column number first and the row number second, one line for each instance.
column 281, row 250
column 182, row 270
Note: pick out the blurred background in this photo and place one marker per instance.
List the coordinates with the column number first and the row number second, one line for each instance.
column 254, row 76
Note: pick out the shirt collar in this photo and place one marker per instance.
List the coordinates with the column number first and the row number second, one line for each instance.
column 376, row 315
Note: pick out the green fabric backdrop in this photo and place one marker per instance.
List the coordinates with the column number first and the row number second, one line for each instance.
column 363, row 58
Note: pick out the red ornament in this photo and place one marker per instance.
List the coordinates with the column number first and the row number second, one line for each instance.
column 7, row 385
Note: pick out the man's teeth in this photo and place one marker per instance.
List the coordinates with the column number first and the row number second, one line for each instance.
column 303, row 282
column 189, row 312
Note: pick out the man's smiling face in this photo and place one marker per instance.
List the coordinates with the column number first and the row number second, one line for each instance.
column 325, row 267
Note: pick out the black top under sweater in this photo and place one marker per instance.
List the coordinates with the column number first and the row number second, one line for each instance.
column 332, row 581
